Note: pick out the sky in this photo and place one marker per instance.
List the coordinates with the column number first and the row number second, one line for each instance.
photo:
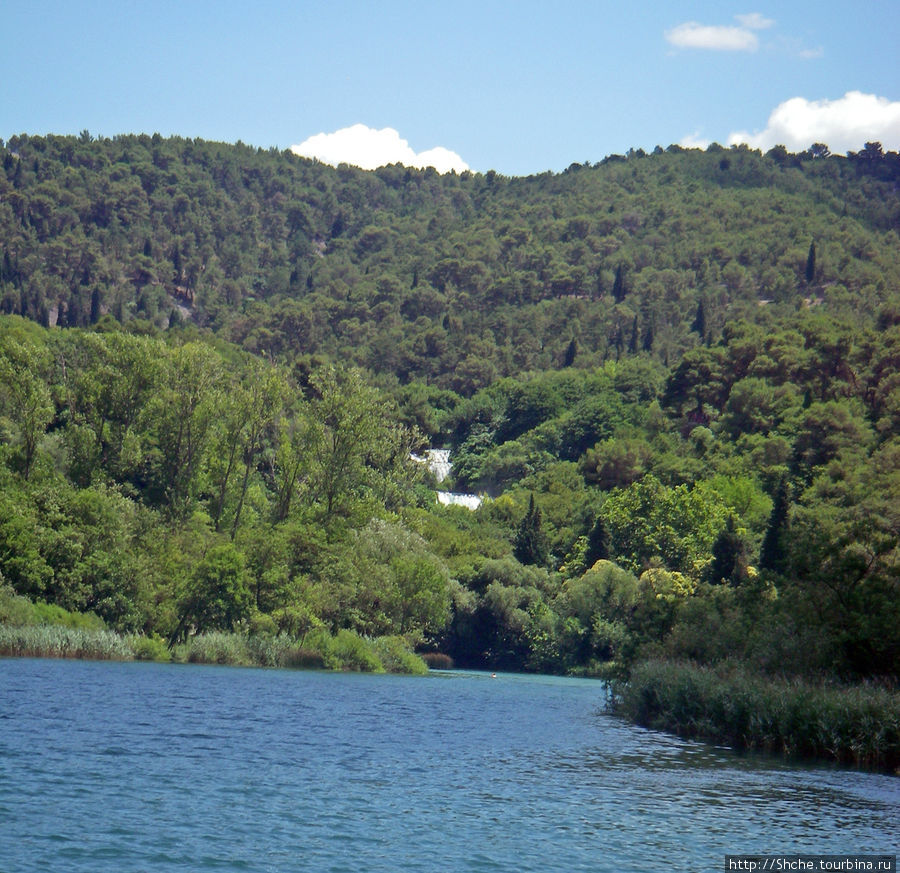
column 516, row 87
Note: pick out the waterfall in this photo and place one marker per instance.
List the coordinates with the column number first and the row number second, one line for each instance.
column 450, row 498
column 438, row 462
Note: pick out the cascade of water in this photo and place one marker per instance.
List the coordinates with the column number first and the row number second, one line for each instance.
column 438, row 461
column 450, row 498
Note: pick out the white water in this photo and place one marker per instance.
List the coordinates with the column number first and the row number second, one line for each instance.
column 438, row 462
column 450, row 498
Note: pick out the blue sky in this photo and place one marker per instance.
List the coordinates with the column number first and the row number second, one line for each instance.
column 519, row 87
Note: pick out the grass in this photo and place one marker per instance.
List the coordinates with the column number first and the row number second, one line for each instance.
column 858, row 725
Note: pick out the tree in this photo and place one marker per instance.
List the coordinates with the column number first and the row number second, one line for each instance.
column 728, row 564
column 351, row 423
column 26, row 395
column 773, row 554
column 217, row 595
column 598, row 544
column 811, row 264
column 184, row 409
column 530, row 546
column 699, row 323
column 619, row 290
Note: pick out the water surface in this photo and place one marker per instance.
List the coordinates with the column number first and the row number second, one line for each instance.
column 148, row 767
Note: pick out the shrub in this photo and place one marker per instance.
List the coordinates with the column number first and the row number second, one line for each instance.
column 15, row 609
column 347, row 650
column 396, row 656
column 149, row 648
column 437, row 660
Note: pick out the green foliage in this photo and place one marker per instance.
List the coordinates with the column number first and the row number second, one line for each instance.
column 649, row 520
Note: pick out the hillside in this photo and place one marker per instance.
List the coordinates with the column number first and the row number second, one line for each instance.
column 450, row 280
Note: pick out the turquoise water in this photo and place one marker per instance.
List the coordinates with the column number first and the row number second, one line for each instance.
column 148, row 767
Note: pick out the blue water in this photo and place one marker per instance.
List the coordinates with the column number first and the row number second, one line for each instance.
column 147, row 767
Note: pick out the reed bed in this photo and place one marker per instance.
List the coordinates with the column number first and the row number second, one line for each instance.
column 858, row 725
column 58, row 641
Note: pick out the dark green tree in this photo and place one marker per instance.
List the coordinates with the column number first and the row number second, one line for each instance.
column 598, row 544
column 729, row 563
column 619, row 290
column 773, row 554
column 530, row 546
column 699, row 324
column 811, row 264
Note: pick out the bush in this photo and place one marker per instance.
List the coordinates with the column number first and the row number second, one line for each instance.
column 149, row 648
column 437, row 660
column 15, row 609
column 396, row 656
column 346, row 650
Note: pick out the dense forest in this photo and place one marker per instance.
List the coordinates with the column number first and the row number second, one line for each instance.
column 674, row 376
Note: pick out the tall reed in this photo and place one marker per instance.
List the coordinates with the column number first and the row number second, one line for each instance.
column 56, row 641
column 857, row 725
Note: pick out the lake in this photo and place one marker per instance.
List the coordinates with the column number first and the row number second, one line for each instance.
column 155, row 767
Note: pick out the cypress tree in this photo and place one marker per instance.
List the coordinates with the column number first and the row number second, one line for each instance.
column 699, row 324
column 571, row 352
column 530, row 546
column 773, row 554
column 728, row 556
column 618, row 290
column 811, row 263
column 633, row 342
column 598, row 545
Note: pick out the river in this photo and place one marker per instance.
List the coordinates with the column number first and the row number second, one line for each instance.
column 148, row 767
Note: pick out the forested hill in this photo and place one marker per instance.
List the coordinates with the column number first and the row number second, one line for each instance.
column 675, row 374
column 453, row 280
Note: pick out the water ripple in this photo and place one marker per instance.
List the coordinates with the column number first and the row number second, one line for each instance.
column 130, row 767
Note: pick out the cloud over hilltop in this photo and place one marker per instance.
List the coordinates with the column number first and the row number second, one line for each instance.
column 369, row 149
column 845, row 124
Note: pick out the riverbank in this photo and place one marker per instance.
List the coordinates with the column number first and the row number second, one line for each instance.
column 317, row 650
column 850, row 725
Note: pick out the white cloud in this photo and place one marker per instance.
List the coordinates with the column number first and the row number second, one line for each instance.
column 845, row 124
column 694, row 35
column 694, row 141
column 755, row 21
column 368, row 148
